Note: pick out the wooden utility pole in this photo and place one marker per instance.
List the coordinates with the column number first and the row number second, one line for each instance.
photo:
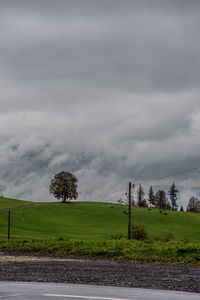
column 8, row 224
column 129, row 211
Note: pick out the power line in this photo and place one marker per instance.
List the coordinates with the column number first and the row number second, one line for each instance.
column 110, row 193
column 171, row 175
column 118, row 190
column 147, row 183
column 175, row 174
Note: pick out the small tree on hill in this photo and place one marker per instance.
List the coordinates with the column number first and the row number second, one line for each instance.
column 194, row 205
column 161, row 200
column 64, row 186
column 140, row 197
column 173, row 196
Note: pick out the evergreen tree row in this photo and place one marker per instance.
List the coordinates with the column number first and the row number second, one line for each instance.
column 158, row 199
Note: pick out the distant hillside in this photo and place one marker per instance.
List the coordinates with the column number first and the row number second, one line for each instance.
column 94, row 220
column 6, row 203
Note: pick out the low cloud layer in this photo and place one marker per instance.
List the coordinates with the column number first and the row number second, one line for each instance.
column 108, row 90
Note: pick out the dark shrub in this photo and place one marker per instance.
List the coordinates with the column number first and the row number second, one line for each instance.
column 168, row 238
column 138, row 233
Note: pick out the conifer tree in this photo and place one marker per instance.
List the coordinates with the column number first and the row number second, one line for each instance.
column 140, row 197
column 173, row 196
column 151, row 196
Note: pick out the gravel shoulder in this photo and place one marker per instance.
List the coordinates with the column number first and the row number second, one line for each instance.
column 99, row 272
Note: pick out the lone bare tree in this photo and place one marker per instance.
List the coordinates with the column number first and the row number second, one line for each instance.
column 64, row 186
column 161, row 200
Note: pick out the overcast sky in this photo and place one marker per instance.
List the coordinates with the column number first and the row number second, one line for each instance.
column 108, row 90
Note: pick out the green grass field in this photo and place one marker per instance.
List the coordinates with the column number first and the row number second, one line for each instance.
column 6, row 203
column 93, row 221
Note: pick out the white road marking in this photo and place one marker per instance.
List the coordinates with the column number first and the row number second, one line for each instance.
column 8, row 296
column 83, row 297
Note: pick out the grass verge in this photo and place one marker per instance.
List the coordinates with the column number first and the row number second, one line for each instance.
column 146, row 251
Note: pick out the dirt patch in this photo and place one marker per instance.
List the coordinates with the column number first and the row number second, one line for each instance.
column 69, row 202
column 30, row 258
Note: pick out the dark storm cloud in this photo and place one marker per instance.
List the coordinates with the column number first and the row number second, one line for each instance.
column 106, row 89
column 134, row 47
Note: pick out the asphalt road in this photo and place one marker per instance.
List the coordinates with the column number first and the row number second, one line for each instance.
column 53, row 291
column 100, row 272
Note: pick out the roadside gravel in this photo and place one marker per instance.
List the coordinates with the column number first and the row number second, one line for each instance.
column 99, row 272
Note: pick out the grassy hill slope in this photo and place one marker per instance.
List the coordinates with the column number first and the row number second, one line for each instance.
column 93, row 220
column 8, row 203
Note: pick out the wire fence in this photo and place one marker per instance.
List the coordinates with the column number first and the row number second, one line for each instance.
column 16, row 219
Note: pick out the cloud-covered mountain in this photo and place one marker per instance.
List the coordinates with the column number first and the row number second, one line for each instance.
column 108, row 90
